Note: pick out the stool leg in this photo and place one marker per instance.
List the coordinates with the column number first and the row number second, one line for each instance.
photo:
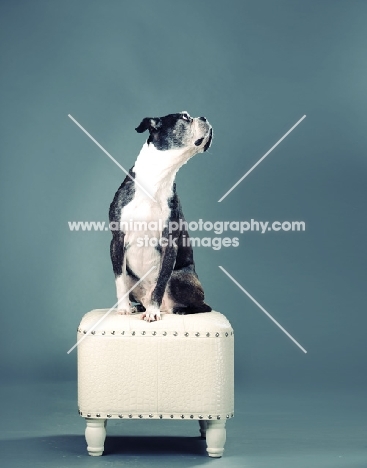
column 215, row 438
column 95, row 435
column 203, row 425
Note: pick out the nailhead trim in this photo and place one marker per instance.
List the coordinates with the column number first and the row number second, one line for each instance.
column 151, row 415
column 154, row 333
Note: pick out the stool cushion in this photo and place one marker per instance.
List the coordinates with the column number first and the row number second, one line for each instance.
column 178, row 367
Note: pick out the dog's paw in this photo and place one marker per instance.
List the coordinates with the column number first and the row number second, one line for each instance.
column 151, row 314
column 124, row 311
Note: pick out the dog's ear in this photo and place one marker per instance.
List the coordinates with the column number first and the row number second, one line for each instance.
column 149, row 123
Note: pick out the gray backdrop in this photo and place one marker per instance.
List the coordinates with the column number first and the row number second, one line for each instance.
column 253, row 69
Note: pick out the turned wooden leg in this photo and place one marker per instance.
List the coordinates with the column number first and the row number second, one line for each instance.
column 215, row 438
column 95, row 435
column 203, row 425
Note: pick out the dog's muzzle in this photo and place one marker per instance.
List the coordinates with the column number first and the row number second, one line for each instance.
column 209, row 142
column 208, row 136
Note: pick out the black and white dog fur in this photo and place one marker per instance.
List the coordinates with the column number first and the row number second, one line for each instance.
column 173, row 285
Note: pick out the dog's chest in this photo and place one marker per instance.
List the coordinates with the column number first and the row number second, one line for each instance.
column 143, row 220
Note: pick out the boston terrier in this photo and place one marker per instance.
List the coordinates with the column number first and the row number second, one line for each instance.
column 147, row 198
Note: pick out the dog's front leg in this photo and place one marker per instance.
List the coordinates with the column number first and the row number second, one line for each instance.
column 118, row 259
column 168, row 259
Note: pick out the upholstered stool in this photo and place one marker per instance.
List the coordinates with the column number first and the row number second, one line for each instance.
column 180, row 367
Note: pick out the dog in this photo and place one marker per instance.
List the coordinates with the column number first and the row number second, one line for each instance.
column 148, row 196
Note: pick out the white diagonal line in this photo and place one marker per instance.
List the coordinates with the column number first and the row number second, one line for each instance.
column 261, row 159
column 262, row 308
column 111, row 157
column 105, row 315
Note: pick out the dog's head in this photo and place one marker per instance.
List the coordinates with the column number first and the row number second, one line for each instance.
column 175, row 131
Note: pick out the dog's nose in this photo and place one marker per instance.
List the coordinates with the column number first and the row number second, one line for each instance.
column 203, row 119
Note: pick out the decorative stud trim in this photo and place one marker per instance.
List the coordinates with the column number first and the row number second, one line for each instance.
column 155, row 332
column 151, row 415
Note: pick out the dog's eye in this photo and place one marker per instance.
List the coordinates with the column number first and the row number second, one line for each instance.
column 185, row 116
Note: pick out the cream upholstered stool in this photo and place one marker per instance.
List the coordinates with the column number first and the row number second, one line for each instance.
column 180, row 367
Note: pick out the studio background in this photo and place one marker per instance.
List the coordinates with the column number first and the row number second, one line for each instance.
column 253, row 69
